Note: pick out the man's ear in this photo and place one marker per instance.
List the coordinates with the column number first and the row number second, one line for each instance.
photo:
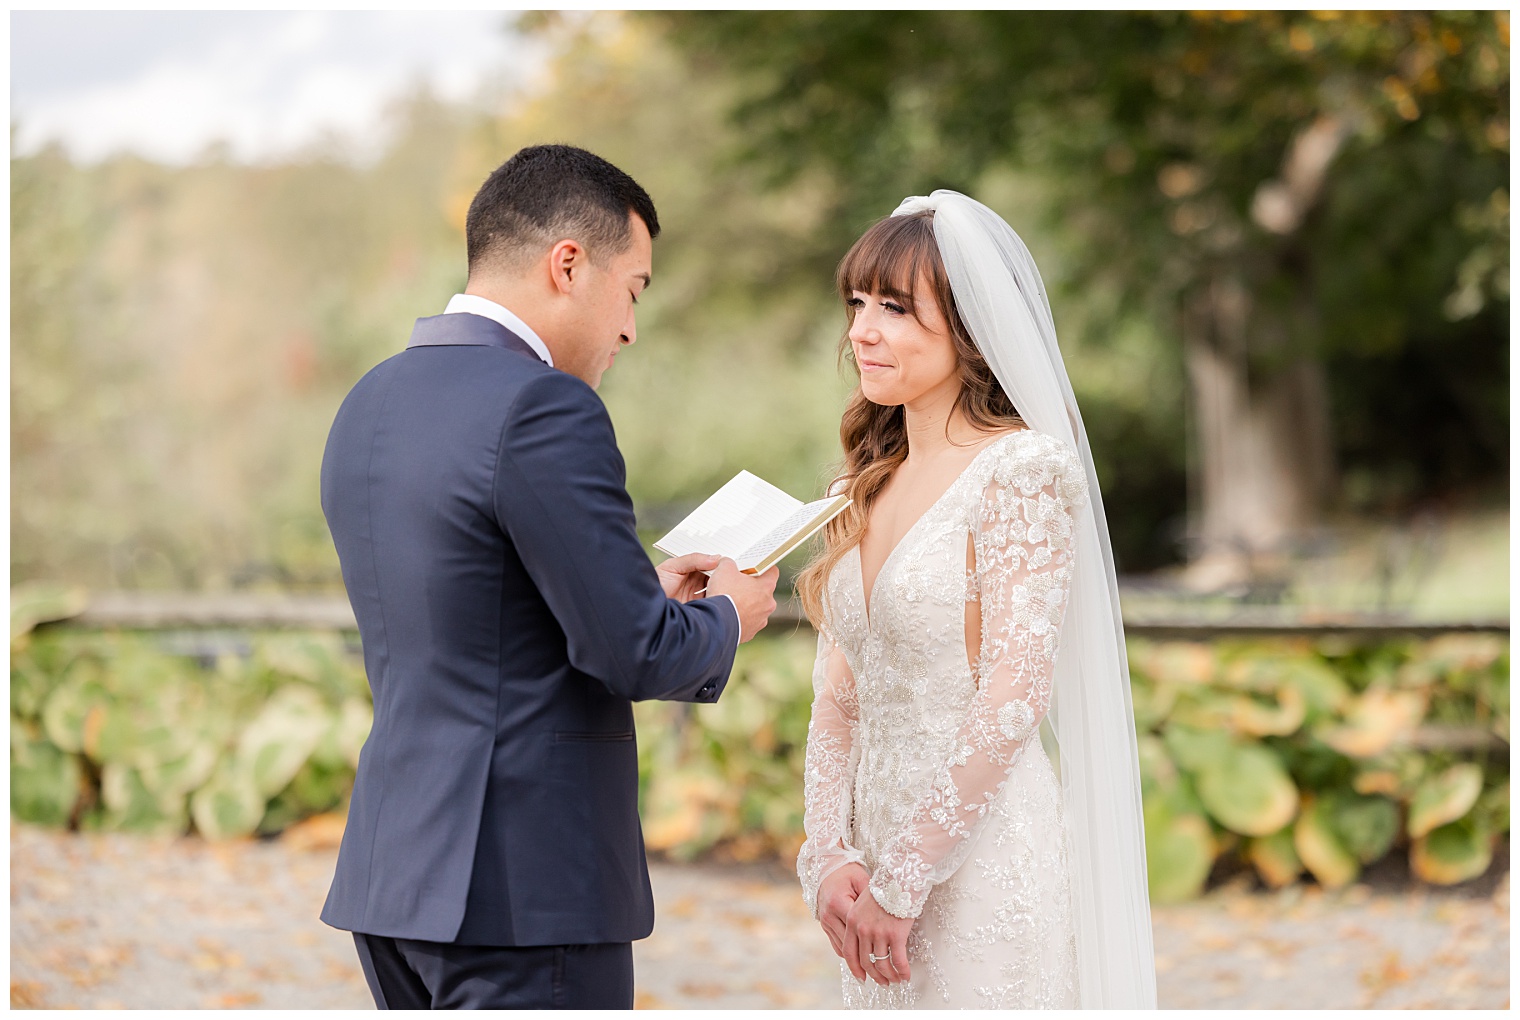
column 566, row 260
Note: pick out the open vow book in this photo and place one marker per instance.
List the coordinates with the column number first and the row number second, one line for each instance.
column 751, row 522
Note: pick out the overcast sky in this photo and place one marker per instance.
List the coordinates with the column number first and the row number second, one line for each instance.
column 166, row 84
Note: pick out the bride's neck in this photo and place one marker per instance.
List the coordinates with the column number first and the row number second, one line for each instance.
column 925, row 420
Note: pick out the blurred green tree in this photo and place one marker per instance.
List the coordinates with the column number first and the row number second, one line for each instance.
column 181, row 337
column 1314, row 204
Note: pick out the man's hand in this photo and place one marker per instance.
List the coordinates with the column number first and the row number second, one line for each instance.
column 870, row 930
column 683, row 576
column 753, row 595
column 836, row 895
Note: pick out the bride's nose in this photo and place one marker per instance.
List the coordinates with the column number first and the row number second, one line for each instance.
column 863, row 330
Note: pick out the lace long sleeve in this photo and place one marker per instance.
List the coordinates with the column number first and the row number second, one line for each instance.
column 1023, row 545
column 829, row 772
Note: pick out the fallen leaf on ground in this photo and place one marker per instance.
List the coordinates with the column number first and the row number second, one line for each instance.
column 320, row 832
column 26, row 995
column 234, row 1000
column 698, row 990
column 1387, row 974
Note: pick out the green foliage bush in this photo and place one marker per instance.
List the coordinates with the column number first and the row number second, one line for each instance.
column 121, row 731
column 1322, row 756
column 1291, row 756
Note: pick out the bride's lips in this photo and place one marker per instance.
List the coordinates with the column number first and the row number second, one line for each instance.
column 870, row 366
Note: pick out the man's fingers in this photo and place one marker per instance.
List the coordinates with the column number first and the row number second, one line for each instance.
column 690, row 562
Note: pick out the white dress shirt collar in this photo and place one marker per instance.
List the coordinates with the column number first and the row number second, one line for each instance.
column 473, row 304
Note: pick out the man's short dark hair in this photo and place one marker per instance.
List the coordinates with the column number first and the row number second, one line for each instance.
column 546, row 193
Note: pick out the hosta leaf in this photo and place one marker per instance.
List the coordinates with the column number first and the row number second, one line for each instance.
column 1323, row 690
column 1203, row 708
column 1194, row 749
column 1491, row 813
column 1375, row 720
column 1493, row 692
column 74, row 707
column 316, row 789
column 1157, row 772
column 1179, row 851
column 176, row 732
column 1153, row 702
column 1275, row 858
column 1452, row 853
column 30, row 686
column 1251, row 716
column 111, row 734
column 1246, row 789
column 1255, row 668
column 36, row 603
column 44, row 780
column 1445, row 797
column 181, row 775
column 228, row 806
column 1366, row 825
column 1377, row 781
column 1467, row 653
column 132, row 807
column 274, row 746
column 1178, row 662
column 1320, row 847
column 1394, row 775
column 348, row 731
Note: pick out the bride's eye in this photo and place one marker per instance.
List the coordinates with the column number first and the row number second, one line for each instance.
column 894, row 308
column 854, row 302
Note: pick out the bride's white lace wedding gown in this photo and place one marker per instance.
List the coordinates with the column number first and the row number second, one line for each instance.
column 928, row 769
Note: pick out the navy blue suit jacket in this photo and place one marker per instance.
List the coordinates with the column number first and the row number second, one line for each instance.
column 509, row 617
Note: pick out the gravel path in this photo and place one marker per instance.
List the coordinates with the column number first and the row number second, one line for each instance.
column 116, row 921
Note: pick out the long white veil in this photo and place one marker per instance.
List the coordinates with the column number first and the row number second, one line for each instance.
column 1002, row 302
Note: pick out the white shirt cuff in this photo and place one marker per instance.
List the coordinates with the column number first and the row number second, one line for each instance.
column 736, row 618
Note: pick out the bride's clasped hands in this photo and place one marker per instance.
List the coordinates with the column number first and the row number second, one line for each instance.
column 872, row 942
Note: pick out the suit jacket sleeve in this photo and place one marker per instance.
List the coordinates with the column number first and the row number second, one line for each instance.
column 560, row 497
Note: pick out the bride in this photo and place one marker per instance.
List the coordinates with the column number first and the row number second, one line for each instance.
column 972, row 794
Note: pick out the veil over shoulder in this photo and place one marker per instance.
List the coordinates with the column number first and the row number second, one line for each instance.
column 1002, row 301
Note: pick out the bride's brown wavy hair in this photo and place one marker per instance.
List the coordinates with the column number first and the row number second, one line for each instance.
column 889, row 260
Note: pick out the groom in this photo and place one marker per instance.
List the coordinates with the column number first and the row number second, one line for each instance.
column 510, row 616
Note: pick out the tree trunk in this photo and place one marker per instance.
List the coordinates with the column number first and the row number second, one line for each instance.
column 1262, row 438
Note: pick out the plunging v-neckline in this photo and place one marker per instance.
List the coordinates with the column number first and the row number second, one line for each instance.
column 869, row 595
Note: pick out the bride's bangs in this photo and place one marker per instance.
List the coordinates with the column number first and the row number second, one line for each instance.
column 890, row 259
